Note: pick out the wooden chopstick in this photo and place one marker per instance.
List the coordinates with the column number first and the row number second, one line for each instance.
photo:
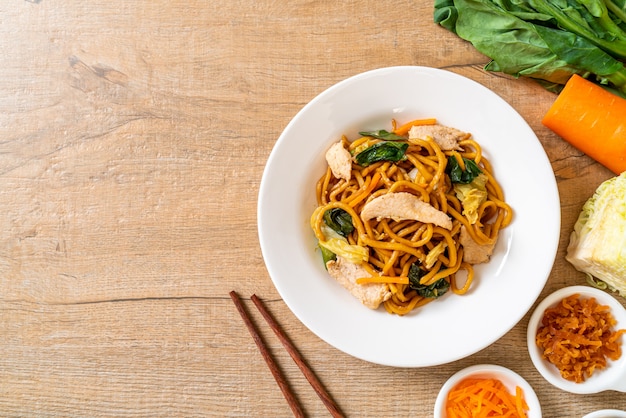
column 299, row 360
column 280, row 379
column 293, row 352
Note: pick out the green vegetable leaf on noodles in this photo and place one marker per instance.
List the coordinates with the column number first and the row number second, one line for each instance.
column 382, row 151
column 339, row 221
column 435, row 290
column 383, row 134
column 327, row 255
column 458, row 175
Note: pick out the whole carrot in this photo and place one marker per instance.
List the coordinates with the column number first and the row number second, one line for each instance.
column 591, row 119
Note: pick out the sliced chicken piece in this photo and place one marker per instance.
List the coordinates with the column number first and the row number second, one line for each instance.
column 346, row 273
column 403, row 205
column 473, row 252
column 446, row 137
column 340, row 161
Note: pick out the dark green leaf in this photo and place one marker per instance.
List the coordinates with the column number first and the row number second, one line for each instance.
column 546, row 40
column 618, row 9
column 435, row 290
column 339, row 221
column 512, row 43
column 457, row 175
column 382, row 151
column 383, row 134
column 580, row 19
column 580, row 53
column 446, row 14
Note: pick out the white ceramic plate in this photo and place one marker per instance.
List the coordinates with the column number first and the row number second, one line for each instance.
column 452, row 327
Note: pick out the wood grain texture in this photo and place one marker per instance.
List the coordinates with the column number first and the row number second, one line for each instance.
column 133, row 137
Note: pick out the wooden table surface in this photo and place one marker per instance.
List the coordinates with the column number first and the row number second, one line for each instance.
column 133, row 136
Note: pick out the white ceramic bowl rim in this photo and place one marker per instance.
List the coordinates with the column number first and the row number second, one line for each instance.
column 611, row 378
column 607, row 413
column 507, row 376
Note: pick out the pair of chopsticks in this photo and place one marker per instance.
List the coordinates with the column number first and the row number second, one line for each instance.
column 293, row 352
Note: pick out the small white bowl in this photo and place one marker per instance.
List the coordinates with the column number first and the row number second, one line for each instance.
column 509, row 378
column 607, row 413
column 613, row 377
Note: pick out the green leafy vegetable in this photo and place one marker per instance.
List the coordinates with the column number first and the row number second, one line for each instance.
column 435, row 290
column 337, row 244
column 588, row 19
column 547, row 40
column 327, row 255
column 339, row 220
column 356, row 254
column 383, row 134
column 458, row 175
column 381, row 151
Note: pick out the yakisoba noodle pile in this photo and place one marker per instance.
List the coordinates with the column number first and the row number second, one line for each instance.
column 397, row 232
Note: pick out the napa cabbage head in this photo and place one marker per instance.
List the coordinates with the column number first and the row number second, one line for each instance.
column 598, row 243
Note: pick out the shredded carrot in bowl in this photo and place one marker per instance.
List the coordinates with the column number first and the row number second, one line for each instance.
column 577, row 336
column 484, row 397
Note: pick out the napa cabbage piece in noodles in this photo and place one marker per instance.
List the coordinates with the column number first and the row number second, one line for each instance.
column 598, row 243
column 472, row 195
column 339, row 245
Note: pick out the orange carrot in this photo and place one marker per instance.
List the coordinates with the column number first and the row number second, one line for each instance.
column 357, row 197
column 591, row 119
column 483, row 397
column 404, row 129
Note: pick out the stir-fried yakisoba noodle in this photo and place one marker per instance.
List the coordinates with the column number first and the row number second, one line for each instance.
column 400, row 213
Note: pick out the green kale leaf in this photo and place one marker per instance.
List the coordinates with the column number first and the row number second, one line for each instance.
column 383, row 134
column 546, row 40
column 382, row 151
column 327, row 255
column 433, row 291
column 339, row 221
column 458, row 175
